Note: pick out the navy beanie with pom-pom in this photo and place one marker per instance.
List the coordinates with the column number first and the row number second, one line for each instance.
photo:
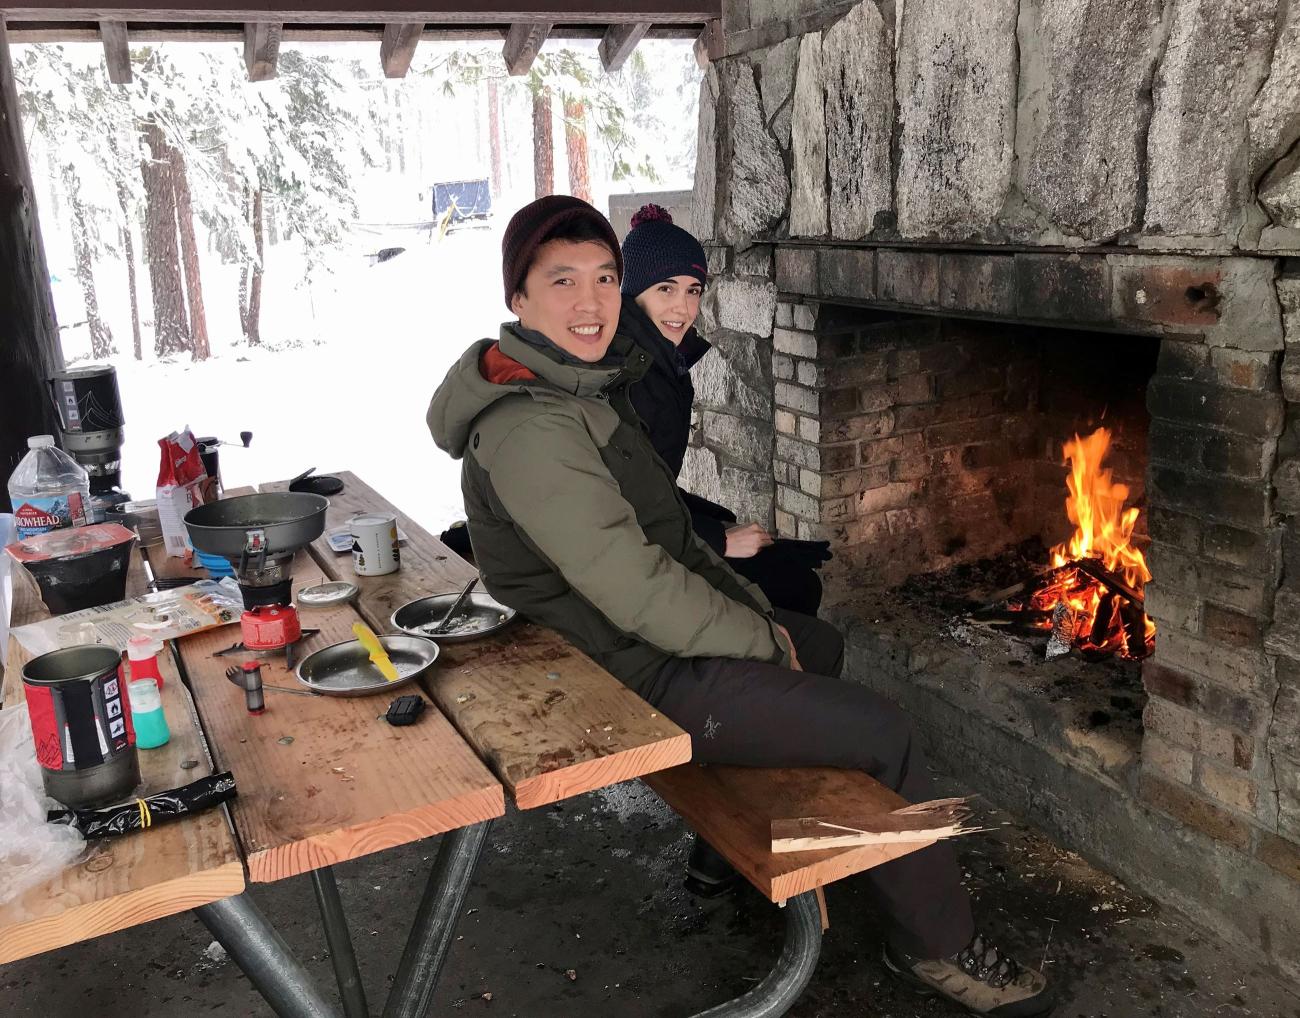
column 655, row 250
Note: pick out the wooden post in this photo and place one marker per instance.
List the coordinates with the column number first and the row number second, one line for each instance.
column 29, row 338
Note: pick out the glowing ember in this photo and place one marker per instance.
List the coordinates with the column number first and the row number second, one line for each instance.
column 1106, row 601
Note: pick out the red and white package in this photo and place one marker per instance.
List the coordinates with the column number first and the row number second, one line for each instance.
column 182, row 484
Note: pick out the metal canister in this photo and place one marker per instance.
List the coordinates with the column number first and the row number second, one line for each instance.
column 374, row 544
column 81, row 724
column 90, row 411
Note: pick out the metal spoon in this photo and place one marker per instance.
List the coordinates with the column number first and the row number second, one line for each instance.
column 455, row 607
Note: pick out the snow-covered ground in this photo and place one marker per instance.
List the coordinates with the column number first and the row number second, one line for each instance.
column 346, row 388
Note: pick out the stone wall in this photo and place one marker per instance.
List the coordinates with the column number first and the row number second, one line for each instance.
column 1028, row 122
column 1122, row 165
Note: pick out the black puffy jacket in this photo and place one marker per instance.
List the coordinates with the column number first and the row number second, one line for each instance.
column 663, row 399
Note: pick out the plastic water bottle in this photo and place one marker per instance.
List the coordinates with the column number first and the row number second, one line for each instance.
column 49, row 490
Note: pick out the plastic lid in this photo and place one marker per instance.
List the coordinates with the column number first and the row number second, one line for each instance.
column 141, row 647
column 324, row 594
column 41, row 442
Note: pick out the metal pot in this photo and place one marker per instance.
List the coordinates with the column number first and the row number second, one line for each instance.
column 252, row 530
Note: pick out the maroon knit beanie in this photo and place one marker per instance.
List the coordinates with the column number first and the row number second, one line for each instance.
column 529, row 229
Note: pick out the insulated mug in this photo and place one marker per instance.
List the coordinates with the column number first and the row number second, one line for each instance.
column 374, row 544
column 81, row 724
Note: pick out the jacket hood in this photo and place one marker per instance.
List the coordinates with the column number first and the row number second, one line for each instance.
column 637, row 325
column 464, row 393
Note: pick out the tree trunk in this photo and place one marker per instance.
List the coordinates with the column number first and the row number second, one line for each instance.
column 575, row 146
column 253, row 316
column 30, row 351
column 171, row 333
column 189, row 255
column 128, row 252
column 494, row 135
column 101, row 336
column 543, row 144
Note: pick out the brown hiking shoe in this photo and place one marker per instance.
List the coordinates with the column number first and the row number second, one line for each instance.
column 979, row 977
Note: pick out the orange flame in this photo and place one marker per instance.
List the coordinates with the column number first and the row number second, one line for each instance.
column 1103, row 531
column 1103, row 528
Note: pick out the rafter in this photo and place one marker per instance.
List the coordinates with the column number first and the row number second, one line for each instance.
column 261, row 49
column 523, row 42
column 116, row 52
column 619, row 42
column 398, row 47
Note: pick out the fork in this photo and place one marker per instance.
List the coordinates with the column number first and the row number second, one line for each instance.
column 236, row 675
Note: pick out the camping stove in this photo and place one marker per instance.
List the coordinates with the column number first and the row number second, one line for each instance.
column 258, row 535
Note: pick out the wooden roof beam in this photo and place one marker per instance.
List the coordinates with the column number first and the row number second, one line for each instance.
column 523, row 42
column 619, row 42
column 398, row 47
column 261, row 49
column 116, row 51
column 591, row 12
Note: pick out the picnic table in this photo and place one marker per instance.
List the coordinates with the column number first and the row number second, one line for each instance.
column 322, row 781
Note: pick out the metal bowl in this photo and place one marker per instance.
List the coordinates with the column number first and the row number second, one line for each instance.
column 289, row 520
column 345, row 669
column 480, row 615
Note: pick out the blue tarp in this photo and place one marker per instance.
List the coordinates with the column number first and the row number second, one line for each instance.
column 469, row 199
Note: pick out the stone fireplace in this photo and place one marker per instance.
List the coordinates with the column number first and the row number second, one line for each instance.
column 944, row 239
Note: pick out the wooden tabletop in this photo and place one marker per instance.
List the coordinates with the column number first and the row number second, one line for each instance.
column 126, row 881
column 549, row 721
column 323, row 779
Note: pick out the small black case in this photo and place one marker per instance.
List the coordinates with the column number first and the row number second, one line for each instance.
column 405, row 710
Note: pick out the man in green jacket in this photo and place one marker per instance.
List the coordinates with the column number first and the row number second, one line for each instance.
column 577, row 523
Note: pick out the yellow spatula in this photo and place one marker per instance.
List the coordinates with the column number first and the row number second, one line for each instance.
column 378, row 656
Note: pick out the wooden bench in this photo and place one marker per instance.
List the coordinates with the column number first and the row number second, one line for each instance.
column 732, row 808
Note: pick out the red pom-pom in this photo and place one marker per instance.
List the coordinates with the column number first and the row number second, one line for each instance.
column 649, row 213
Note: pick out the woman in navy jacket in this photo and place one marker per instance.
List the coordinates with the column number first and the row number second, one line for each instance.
column 664, row 273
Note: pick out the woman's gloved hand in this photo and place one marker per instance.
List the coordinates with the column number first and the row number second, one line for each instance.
column 746, row 540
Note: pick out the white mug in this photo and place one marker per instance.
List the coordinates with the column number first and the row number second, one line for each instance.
column 374, row 544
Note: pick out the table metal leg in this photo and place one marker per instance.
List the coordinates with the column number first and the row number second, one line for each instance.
column 435, row 922
column 256, row 947
column 781, row 987
column 340, row 943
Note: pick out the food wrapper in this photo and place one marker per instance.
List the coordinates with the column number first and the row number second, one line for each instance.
column 182, row 485
column 164, row 615
column 140, row 814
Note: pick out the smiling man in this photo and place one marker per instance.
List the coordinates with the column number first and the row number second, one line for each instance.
column 577, row 523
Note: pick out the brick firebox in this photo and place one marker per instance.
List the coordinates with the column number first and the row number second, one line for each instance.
column 919, row 402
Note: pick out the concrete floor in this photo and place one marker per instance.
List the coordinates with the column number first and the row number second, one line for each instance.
column 577, row 911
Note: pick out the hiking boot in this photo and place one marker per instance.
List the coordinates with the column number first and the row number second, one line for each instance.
column 708, row 874
column 979, row 977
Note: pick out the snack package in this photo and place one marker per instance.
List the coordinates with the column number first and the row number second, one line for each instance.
column 182, row 484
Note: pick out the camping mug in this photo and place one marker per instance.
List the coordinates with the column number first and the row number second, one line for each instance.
column 374, row 544
column 81, row 724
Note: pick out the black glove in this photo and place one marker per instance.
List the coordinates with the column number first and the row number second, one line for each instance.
column 810, row 554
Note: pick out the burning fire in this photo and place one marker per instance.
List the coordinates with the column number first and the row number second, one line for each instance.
column 1103, row 608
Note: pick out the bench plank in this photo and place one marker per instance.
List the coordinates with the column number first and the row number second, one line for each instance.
column 732, row 808
column 322, row 779
column 549, row 721
column 123, row 882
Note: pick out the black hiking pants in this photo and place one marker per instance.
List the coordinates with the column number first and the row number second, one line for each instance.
column 760, row 715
